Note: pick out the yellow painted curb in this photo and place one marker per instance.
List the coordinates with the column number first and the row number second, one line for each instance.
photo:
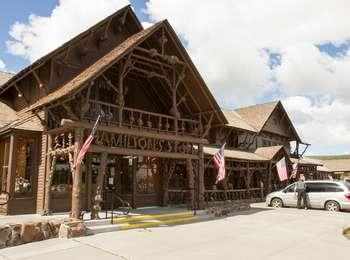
column 144, row 217
column 158, row 223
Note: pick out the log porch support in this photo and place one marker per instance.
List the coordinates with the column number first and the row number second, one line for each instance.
column 76, row 169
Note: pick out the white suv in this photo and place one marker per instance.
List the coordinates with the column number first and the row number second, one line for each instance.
column 330, row 195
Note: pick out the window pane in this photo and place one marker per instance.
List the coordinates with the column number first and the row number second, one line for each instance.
column 290, row 188
column 146, row 174
column 62, row 177
column 347, row 184
column 24, row 166
column 315, row 187
column 333, row 187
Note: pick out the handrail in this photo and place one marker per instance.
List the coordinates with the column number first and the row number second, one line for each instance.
column 125, row 205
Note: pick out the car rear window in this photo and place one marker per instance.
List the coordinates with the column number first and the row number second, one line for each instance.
column 323, row 187
column 347, row 184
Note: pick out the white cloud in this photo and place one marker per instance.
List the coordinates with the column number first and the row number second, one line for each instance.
column 145, row 25
column 40, row 35
column 228, row 41
column 2, row 65
column 307, row 71
column 324, row 123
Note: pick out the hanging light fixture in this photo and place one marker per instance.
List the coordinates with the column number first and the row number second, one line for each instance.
column 19, row 93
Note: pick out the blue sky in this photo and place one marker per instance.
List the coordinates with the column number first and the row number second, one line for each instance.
column 247, row 53
column 19, row 10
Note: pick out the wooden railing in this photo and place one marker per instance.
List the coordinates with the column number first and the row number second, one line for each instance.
column 136, row 118
column 239, row 194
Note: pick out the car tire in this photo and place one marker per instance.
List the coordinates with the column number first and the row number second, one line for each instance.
column 332, row 205
column 276, row 203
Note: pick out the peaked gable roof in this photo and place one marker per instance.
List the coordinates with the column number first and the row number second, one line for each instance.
column 120, row 51
column 335, row 163
column 127, row 10
column 96, row 68
column 254, row 118
column 235, row 154
column 5, row 76
column 7, row 114
column 236, row 121
column 268, row 152
column 257, row 115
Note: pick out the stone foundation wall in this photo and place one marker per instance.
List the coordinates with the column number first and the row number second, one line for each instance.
column 225, row 208
column 14, row 234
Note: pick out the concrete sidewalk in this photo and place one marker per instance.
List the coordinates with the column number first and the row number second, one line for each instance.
column 260, row 233
column 5, row 219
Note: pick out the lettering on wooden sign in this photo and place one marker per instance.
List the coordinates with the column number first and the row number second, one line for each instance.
column 143, row 143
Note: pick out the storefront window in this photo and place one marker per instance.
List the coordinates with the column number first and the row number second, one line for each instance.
column 24, row 166
column 178, row 179
column 62, row 177
column 146, row 174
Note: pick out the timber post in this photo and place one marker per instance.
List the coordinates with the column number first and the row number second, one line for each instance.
column 120, row 100
column 189, row 168
column 96, row 208
column 269, row 173
column 201, row 186
column 169, row 169
column 248, row 180
column 77, row 176
column 165, row 172
column 11, row 175
column 50, row 166
column 89, row 180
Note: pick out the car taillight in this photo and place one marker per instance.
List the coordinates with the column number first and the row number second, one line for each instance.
column 347, row 195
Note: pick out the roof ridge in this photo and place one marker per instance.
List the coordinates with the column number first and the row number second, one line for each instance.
column 6, row 72
column 256, row 105
column 43, row 58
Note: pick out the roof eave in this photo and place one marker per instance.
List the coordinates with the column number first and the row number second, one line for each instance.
column 21, row 74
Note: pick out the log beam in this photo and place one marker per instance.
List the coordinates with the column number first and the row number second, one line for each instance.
column 76, row 170
column 201, row 185
column 96, row 208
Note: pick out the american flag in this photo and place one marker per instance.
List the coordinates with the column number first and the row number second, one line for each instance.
column 88, row 141
column 294, row 171
column 219, row 163
column 282, row 169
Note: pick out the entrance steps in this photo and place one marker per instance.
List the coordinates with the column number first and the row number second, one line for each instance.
column 157, row 217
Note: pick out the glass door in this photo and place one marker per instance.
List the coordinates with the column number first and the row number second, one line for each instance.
column 147, row 181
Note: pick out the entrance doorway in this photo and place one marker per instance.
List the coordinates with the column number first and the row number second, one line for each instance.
column 136, row 179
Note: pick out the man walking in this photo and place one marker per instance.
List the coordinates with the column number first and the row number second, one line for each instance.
column 300, row 192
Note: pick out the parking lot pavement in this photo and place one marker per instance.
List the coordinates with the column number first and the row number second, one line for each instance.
column 260, row 233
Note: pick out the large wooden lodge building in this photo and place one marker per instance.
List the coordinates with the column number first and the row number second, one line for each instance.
column 160, row 129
